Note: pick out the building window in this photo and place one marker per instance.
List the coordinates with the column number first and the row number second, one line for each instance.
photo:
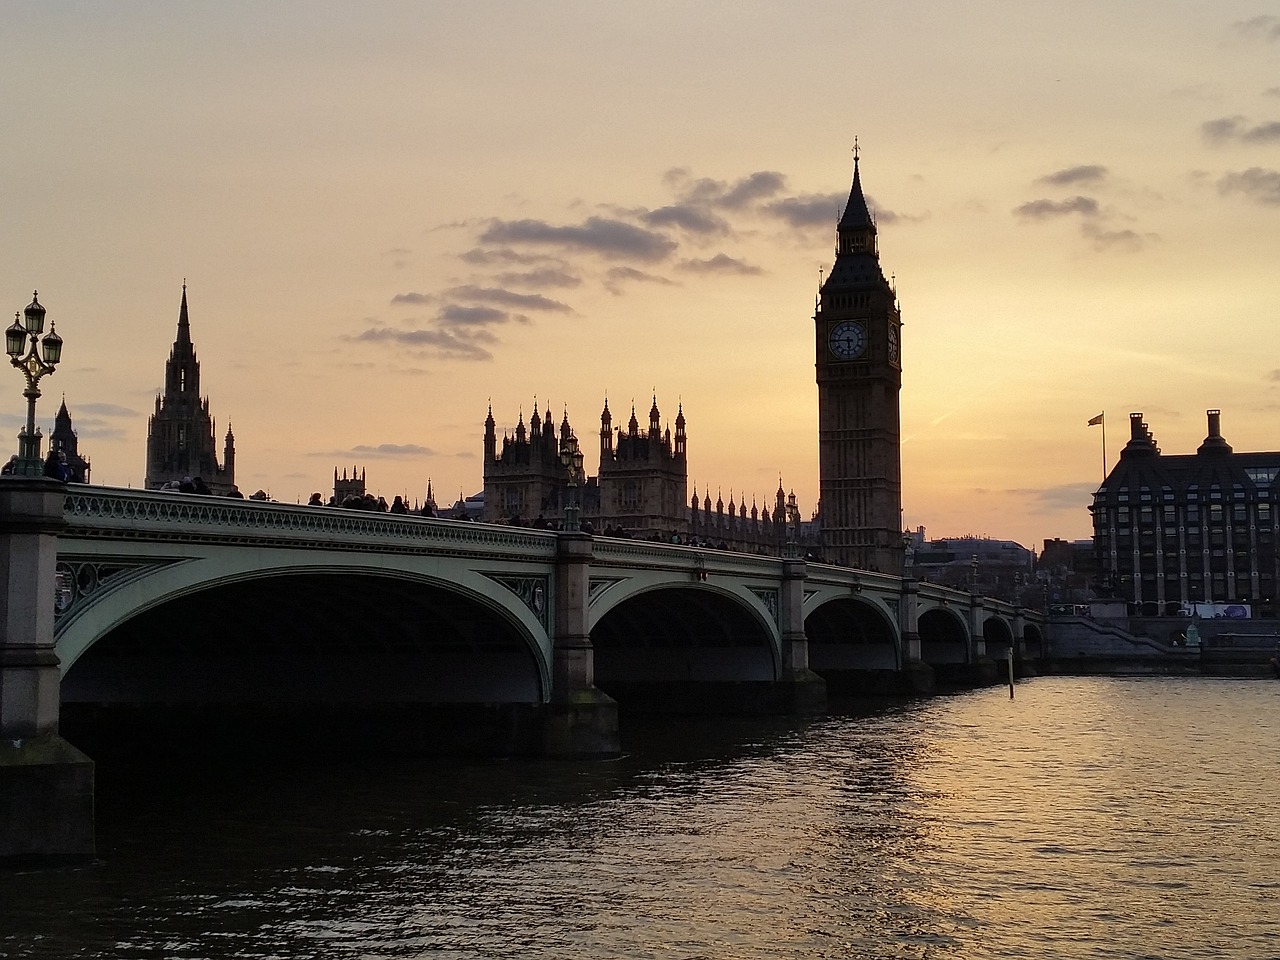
column 1215, row 513
column 631, row 495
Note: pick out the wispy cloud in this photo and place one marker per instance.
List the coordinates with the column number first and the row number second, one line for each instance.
column 1063, row 495
column 1051, row 209
column 508, row 298
column 692, row 218
column 720, row 263
column 1129, row 240
column 736, row 195
column 1259, row 28
column 1090, row 174
column 390, row 450
column 470, row 316
column 412, row 298
column 441, row 343
column 617, row 276
column 501, row 256
column 808, row 210
column 1255, row 184
column 543, row 277
column 1237, row 130
column 608, row 238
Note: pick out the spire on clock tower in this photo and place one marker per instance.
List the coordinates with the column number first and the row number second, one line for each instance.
column 855, row 222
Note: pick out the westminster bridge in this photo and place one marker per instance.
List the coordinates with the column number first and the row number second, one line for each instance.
column 124, row 600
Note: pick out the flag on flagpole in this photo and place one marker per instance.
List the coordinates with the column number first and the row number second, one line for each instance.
column 1095, row 421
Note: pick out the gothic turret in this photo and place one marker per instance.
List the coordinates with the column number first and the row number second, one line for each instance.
column 180, row 434
column 64, row 440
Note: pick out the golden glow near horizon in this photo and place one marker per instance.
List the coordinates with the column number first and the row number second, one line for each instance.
column 394, row 214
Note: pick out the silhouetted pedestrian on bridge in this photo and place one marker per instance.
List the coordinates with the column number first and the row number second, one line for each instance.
column 55, row 466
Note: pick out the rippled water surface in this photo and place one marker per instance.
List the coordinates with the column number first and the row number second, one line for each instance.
column 1090, row 817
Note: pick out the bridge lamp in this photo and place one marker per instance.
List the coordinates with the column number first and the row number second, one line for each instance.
column 571, row 460
column 33, row 366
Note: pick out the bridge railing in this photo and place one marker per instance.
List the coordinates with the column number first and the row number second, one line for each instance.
column 655, row 555
column 114, row 513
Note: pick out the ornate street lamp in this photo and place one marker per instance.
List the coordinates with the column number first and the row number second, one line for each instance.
column 34, row 366
column 571, row 460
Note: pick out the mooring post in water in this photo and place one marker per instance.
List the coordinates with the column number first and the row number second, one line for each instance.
column 1011, row 671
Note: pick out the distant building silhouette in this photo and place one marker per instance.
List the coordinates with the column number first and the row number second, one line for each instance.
column 1173, row 531
column 64, row 440
column 345, row 487
column 639, row 490
column 993, row 568
column 643, row 480
column 180, row 433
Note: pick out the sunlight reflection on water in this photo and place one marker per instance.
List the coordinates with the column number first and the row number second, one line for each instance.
column 1086, row 818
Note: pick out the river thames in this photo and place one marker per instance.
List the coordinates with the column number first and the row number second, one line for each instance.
column 1087, row 817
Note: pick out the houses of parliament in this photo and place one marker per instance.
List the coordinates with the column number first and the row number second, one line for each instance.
column 641, row 485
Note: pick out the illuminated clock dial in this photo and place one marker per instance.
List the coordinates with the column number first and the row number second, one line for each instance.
column 847, row 340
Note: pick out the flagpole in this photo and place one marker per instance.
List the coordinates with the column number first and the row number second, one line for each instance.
column 1104, row 446
column 1101, row 420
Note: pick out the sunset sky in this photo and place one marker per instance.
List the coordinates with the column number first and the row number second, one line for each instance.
column 390, row 215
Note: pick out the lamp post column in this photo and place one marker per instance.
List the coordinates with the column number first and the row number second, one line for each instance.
column 33, row 366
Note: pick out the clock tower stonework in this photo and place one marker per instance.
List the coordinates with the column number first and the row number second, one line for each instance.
column 859, row 370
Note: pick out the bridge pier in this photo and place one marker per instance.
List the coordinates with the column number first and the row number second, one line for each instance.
column 581, row 720
column 804, row 692
column 917, row 676
column 46, row 784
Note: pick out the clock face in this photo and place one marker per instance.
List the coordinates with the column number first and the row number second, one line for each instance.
column 847, row 340
column 893, row 344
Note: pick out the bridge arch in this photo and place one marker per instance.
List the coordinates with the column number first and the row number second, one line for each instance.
column 678, row 633
column 944, row 638
column 851, row 640
column 203, row 631
column 1032, row 641
column 997, row 634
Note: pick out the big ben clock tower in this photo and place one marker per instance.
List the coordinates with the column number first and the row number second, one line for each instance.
column 859, row 368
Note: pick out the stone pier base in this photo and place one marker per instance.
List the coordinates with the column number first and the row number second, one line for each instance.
column 583, row 726
column 915, row 679
column 46, row 803
column 803, row 693
column 983, row 672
